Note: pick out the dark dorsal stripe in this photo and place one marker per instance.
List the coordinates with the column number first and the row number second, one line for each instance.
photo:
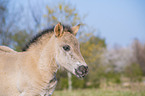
column 36, row 38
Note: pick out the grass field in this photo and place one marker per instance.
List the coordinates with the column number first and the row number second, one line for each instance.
column 101, row 92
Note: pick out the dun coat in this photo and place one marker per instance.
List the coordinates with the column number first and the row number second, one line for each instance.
column 32, row 72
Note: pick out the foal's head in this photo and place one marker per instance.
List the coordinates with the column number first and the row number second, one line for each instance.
column 68, row 52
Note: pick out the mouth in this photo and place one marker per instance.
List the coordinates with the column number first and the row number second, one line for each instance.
column 79, row 74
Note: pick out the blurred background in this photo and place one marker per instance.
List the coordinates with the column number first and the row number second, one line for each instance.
column 112, row 41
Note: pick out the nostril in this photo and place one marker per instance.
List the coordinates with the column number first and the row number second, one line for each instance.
column 83, row 69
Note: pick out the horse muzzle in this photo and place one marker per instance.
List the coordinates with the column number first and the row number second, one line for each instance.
column 81, row 71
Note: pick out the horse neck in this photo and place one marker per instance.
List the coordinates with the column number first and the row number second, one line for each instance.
column 44, row 55
column 37, row 47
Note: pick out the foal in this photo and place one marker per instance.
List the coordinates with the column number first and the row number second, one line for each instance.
column 32, row 72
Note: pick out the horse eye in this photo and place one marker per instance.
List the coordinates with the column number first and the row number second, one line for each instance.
column 66, row 47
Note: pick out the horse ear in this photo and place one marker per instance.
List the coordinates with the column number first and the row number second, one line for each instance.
column 58, row 30
column 75, row 29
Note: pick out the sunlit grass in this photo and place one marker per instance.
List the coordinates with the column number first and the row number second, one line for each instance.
column 101, row 92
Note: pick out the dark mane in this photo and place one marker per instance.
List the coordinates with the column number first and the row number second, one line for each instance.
column 39, row 35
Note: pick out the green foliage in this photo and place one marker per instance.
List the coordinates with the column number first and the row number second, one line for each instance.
column 20, row 38
column 62, row 83
column 134, row 72
column 113, row 77
column 77, row 83
column 92, row 51
column 62, row 80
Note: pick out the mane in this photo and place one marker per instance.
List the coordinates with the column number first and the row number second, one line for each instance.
column 36, row 38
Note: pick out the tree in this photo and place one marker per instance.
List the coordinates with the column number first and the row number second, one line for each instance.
column 118, row 58
column 139, row 53
column 134, row 72
column 64, row 13
column 8, row 22
column 4, row 29
column 92, row 51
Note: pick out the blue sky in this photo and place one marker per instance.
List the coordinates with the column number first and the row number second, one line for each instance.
column 118, row 21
